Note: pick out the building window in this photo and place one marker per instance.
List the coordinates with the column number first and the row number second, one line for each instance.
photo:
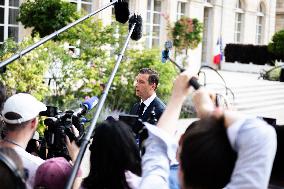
column 181, row 9
column 259, row 23
column 9, row 27
column 86, row 5
column 153, row 23
column 239, row 14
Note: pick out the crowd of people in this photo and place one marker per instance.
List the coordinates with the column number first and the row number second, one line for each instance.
column 222, row 149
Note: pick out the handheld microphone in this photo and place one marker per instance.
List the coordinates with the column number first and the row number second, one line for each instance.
column 165, row 55
column 168, row 45
column 86, row 106
column 166, row 52
column 90, row 103
column 194, row 83
column 121, row 11
column 137, row 32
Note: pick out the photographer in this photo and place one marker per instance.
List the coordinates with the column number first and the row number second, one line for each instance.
column 20, row 114
column 252, row 139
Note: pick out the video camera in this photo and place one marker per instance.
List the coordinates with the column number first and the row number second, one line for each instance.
column 59, row 125
column 138, row 128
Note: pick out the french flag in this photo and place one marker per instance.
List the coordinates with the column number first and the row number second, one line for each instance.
column 218, row 56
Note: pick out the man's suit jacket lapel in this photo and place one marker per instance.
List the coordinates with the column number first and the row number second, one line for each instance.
column 134, row 110
column 147, row 112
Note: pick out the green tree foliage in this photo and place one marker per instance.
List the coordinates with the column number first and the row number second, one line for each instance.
column 186, row 33
column 46, row 16
column 99, row 47
column 27, row 73
column 277, row 44
column 84, row 75
column 71, row 79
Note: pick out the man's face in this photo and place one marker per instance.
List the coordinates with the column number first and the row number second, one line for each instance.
column 142, row 87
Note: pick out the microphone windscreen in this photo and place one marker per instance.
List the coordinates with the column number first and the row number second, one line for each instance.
column 121, row 11
column 168, row 45
column 137, row 32
column 165, row 56
column 91, row 102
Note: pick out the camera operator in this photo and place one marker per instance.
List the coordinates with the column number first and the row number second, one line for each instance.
column 252, row 139
column 20, row 114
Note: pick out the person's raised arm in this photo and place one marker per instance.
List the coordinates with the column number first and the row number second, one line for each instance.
column 204, row 104
column 171, row 114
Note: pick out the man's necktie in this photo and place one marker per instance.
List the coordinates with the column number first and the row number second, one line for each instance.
column 141, row 109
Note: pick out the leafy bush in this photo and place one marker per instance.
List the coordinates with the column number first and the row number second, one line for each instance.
column 186, row 33
column 27, row 73
column 256, row 54
column 46, row 16
column 86, row 75
column 272, row 74
column 277, row 45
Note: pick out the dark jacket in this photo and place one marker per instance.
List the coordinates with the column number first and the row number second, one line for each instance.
column 157, row 105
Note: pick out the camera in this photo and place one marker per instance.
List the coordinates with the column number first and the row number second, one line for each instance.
column 133, row 121
column 138, row 128
column 59, row 124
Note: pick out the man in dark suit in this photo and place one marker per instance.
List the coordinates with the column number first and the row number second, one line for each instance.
column 146, row 84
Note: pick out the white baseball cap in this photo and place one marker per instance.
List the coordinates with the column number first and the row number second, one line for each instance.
column 27, row 106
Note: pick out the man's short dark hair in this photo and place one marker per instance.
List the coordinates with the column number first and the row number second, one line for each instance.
column 153, row 75
column 207, row 158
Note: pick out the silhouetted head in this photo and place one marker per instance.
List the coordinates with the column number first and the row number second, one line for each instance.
column 113, row 151
column 207, row 159
column 12, row 174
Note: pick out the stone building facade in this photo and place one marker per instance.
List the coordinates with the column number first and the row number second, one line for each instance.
column 235, row 21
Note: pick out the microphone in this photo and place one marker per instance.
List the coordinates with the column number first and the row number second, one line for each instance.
column 90, row 103
column 122, row 14
column 121, row 11
column 86, row 106
column 137, row 32
column 194, row 83
column 166, row 55
column 166, row 52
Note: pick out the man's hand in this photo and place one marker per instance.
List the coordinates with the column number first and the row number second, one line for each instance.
column 204, row 102
column 181, row 87
column 72, row 147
